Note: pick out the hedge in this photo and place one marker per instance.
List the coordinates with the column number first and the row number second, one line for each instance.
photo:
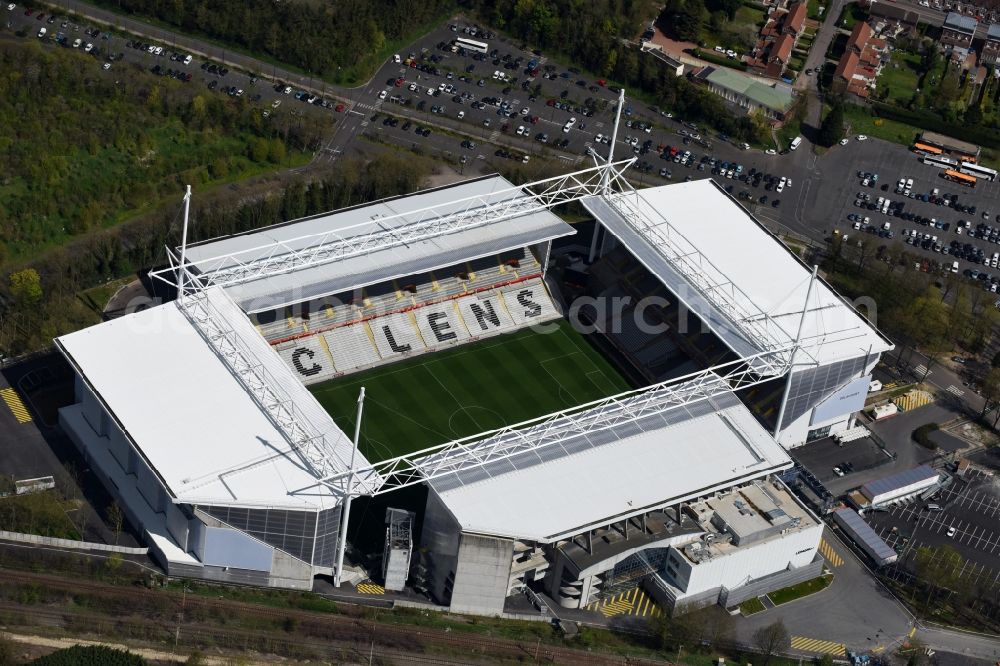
column 725, row 62
column 922, row 435
column 979, row 135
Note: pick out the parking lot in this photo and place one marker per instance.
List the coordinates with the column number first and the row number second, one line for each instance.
column 967, row 520
column 822, row 456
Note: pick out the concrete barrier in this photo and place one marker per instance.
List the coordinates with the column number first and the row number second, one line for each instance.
column 69, row 543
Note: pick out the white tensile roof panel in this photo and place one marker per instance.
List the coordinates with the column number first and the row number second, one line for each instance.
column 189, row 416
column 769, row 280
column 377, row 265
column 685, row 452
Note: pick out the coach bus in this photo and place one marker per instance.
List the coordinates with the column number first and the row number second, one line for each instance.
column 978, row 171
column 940, row 161
column 959, row 177
column 923, row 149
column 472, row 45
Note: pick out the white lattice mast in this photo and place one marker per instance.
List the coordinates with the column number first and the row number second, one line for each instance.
column 346, row 507
column 428, row 223
column 791, row 360
column 182, row 272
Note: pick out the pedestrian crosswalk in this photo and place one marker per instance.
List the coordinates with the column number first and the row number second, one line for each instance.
column 630, row 602
column 817, row 646
column 369, row 587
column 828, row 553
column 921, row 370
column 16, row 405
column 955, row 391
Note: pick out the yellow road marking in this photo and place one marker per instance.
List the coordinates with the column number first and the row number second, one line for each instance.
column 830, row 554
column 631, row 602
column 16, row 405
column 818, row 646
column 912, row 631
column 370, row 588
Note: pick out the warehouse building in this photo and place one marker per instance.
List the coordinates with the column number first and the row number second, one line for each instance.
column 901, row 486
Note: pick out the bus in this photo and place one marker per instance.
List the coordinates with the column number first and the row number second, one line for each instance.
column 958, row 177
column 978, row 171
column 471, row 45
column 940, row 161
column 924, row 149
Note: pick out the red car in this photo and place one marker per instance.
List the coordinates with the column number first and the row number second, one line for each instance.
column 339, row 108
column 551, row 102
column 40, row 16
column 399, row 82
column 602, row 82
column 29, row 12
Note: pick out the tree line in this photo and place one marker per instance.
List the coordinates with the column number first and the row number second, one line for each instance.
column 39, row 299
column 341, row 40
column 83, row 145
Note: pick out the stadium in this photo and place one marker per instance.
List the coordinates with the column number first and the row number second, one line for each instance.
column 578, row 415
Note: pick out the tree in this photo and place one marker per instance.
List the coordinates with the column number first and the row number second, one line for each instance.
column 26, row 286
column 832, row 129
column 990, row 390
column 772, row 639
column 689, row 21
column 116, row 518
column 973, row 115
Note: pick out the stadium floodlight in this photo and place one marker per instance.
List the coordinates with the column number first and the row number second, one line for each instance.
column 346, row 510
column 414, row 226
column 536, row 434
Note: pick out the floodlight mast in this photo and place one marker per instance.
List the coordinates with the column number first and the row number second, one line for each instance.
column 184, row 236
column 346, row 511
column 614, row 139
column 791, row 360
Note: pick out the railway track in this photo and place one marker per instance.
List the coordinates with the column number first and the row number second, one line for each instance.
column 198, row 622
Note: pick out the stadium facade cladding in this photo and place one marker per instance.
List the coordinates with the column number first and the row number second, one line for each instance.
column 196, row 415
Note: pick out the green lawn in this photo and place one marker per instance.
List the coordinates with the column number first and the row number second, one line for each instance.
column 786, row 594
column 751, row 606
column 862, row 122
column 460, row 392
column 851, row 14
column 901, row 76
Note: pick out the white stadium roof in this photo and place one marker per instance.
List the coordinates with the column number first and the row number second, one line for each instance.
column 387, row 253
column 189, row 416
column 686, row 232
column 607, row 475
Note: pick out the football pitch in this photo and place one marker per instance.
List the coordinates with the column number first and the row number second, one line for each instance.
column 447, row 395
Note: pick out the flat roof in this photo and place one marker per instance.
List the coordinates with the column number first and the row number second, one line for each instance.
column 775, row 96
column 960, row 22
column 908, row 477
column 605, row 475
column 378, row 222
column 949, row 143
column 759, row 274
column 866, row 537
column 189, row 416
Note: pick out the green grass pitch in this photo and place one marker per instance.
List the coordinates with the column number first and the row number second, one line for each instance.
column 447, row 395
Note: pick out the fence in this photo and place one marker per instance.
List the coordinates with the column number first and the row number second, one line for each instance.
column 20, row 537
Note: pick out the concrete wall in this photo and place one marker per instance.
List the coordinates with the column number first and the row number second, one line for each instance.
column 439, row 541
column 776, row 581
column 746, row 563
column 482, row 575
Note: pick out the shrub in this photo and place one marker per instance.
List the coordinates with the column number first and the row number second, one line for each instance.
column 922, row 435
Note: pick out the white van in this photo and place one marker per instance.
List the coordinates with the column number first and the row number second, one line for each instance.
column 795, row 143
column 954, row 267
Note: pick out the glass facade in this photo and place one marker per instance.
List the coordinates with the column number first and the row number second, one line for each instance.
column 294, row 532
column 811, row 386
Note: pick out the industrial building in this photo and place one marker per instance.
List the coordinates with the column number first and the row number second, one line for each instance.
column 864, row 537
column 196, row 416
column 901, row 486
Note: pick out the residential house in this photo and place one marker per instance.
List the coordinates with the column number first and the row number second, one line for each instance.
column 777, row 38
column 957, row 33
column 991, row 47
column 893, row 20
column 861, row 63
